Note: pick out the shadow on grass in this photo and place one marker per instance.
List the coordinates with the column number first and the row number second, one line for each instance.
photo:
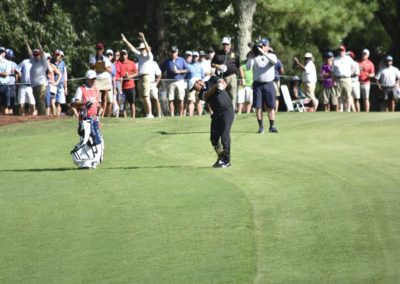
column 100, row 167
column 199, row 132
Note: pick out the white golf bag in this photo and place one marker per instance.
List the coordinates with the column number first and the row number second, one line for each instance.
column 88, row 153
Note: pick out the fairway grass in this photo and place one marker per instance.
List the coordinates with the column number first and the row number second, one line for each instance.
column 316, row 203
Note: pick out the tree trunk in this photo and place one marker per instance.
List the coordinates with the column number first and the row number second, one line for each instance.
column 244, row 11
column 157, row 27
column 390, row 22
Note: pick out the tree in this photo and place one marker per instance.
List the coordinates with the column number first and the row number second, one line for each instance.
column 244, row 12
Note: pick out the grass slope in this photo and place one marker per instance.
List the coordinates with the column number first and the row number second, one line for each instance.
column 316, row 203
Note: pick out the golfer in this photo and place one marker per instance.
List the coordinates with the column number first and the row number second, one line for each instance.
column 214, row 93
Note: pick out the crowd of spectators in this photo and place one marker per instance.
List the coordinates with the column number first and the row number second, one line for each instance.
column 140, row 86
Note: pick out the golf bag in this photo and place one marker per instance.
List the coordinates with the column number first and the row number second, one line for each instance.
column 88, row 153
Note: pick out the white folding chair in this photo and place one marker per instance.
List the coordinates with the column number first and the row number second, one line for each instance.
column 291, row 105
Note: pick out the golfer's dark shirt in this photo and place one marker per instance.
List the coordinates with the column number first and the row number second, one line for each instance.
column 220, row 101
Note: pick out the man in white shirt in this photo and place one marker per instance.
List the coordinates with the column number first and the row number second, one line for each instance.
column 5, row 70
column 309, row 77
column 145, row 57
column 25, row 93
column 342, row 71
column 263, row 64
column 387, row 80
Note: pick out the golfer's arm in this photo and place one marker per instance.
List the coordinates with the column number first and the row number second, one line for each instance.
column 210, row 92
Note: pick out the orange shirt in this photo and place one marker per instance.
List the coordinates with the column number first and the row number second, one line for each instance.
column 127, row 67
column 366, row 68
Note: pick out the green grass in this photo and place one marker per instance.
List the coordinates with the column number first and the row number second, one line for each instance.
column 316, row 203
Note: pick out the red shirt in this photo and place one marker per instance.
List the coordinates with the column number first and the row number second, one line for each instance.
column 366, row 68
column 117, row 75
column 127, row 67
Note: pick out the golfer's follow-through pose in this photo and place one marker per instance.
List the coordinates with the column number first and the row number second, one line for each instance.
column 214, row 93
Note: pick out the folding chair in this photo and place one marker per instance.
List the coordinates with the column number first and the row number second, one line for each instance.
column 292, row 105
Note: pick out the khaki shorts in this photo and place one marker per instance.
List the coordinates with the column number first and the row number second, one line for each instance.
column 144, row 85
column 365, row 89
column 343, row 87
column 355, row 90
column 191, row 96
column 277, row 85
column 176, row 90
column 309, row 90
column 153, row 91
column 103, row 84
column 330, row 96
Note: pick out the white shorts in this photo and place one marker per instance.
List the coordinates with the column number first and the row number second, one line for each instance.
column 355, row 90
column 153, row 91
column 245, row 95
column 25, row 95
column 365, row 89
column 60, row 96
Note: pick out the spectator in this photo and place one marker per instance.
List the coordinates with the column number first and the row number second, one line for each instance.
column 227, row 65
column 205, row 65
column 25, row 93
column 263, row 63
column 210, row 57
column 342, row 71
column 387, row 80
column 297, row 93
column 5, row 70
column 118, row 84
column 175, row 69
column 38, row 76
column 12, row 83
column 195, row 71
column 51, row 90
column 127, row 71
column 59, row 63
column 155, row 78
column 110, row 56
column 328, row 93
column 367, row 71
column 309, row 78
column 102, row 65
column 145, row 56
column 355, row 83
column 245, row 91
column 279, row 70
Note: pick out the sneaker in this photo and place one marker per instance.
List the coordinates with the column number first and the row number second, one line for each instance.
column 261, row 130
column 218, row 164
column 225, row 165
column 149, row 116
column 273, row 130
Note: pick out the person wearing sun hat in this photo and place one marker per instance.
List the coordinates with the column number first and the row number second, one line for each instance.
column 309, row 77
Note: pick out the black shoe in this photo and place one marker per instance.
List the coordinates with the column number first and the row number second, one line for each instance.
column 273, row 130
column 218, row 163
column 261, row 130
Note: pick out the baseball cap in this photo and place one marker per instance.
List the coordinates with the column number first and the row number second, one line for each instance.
column 174, row 48
column 141, row 46
column 328, row 54
column 2, row 49
column 100, row 45
column 308, row 55
column 263, row 42
column 124, row 51
column 61, row 53
column 57, row 52
column 389, row 58
column 195, row 53
column 365, row 51
column 91, row 74
column 226, row 40
column 188, row 52
column 295, row 78
column 211, row 50
column 193, row 81
column 109, row 51
column 10, row 53
column 202, row 53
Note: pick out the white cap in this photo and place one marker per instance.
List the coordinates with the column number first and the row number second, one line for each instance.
column 109, row 51
column 308, row 55
column 91, row 74
column 192, row 81
column 195, row 53
column 188, row 52
column 47, row 55
column 226, row 40
column 141, row 46
column 366, row 51
column 61, row 53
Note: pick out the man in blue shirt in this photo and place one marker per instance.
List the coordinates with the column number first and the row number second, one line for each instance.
column 175, row 69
